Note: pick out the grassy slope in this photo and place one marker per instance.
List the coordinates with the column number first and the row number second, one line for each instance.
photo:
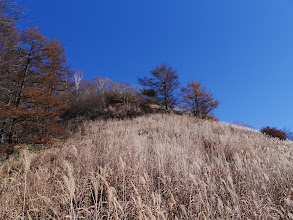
column 153, row 167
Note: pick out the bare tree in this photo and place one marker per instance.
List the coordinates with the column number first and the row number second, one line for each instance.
column 77, row 77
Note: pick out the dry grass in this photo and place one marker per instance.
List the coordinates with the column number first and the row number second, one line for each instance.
column 153, row 167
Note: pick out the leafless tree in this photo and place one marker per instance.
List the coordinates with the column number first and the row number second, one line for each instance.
column 77, row 77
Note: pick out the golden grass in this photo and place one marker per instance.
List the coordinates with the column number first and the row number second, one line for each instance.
column 153, row 167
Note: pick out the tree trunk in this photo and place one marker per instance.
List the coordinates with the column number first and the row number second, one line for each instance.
column 19, row 96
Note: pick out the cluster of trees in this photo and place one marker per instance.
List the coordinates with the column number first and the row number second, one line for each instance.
column 103, row 97
column 162, row 86
column 41, row 98
column 34, row 80
column 40, row 95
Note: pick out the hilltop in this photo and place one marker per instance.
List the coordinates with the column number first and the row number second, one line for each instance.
column 153, row 167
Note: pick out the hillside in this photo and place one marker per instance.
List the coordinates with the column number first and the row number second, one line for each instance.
column 153, row 167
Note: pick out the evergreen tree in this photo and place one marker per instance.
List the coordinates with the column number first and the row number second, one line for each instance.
column 162, row 83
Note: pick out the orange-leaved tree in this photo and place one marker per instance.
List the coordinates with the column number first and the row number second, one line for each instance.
column 198, row 101
column 34, row 85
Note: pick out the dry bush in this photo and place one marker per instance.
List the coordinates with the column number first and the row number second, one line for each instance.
column 153, row 167
column 274, row 132
column 104, row 99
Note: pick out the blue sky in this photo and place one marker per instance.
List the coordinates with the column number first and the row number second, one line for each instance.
column 241, row 50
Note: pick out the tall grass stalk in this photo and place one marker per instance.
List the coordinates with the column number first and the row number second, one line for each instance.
column 153, row 167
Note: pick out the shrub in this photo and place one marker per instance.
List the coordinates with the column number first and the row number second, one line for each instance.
column 274, row 132
column 288, row 133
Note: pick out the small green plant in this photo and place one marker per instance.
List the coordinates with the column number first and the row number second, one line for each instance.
column 274, row 132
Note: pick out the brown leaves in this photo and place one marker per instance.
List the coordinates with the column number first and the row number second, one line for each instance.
column 33, row 86
column 274, row 132
column 198, row 101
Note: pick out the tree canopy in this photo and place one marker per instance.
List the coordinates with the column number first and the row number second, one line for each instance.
column 198, row 101
column 33, row 78
column 164, row 82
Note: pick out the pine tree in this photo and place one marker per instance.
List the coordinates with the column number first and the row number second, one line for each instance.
column 164, row 82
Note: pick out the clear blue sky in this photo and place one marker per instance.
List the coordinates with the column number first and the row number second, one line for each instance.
column 242, row 50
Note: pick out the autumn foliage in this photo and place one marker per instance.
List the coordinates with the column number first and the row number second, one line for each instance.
column 274, row 132
column 198, row 101
column 33, row 83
